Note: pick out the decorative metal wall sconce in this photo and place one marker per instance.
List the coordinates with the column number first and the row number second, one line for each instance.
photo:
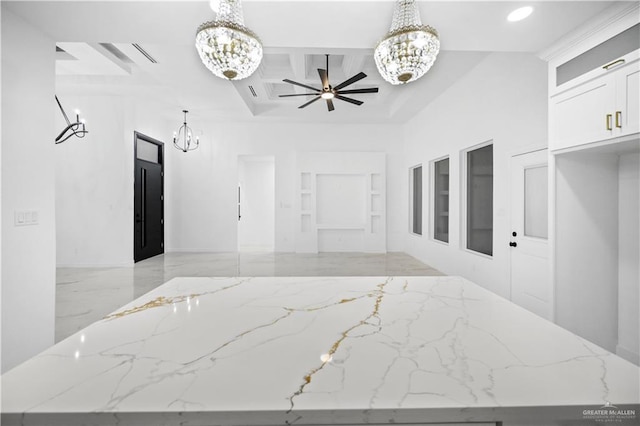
column 183, row 139
column 76, row 129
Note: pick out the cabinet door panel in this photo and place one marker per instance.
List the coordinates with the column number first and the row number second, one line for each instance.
column 579, row 115
column 628, row 98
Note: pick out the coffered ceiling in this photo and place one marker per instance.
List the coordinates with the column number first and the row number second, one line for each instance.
column 146, row 49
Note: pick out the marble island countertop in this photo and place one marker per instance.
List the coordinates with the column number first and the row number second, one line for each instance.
column 228, row 351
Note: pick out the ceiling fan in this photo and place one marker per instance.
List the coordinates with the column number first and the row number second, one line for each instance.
column 329, row 92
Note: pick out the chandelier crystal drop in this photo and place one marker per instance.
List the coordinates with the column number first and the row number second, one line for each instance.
column 226, row 47
column 183, row 139
column 409, row 49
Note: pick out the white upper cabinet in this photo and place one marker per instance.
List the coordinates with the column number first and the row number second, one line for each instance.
column 594, row 85
column 628, row 94
column 600, row 109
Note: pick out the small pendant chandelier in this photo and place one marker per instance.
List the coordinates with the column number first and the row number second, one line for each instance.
column 409, row 49
column 226, row 47
column 183, row 139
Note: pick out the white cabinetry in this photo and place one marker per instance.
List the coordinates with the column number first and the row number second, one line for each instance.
column 628, row 94
column 602, row 108
column 593, row 83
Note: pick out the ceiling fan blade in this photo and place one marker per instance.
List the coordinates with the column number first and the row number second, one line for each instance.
column 352, row 80
column 369, row 90
column 324, row 77
column 353, row 101
column 330, row 105
column 310, row 102
column 286, row 80
column 299, row 94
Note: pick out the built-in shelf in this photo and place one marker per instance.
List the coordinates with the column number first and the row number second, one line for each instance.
column 305, row 223
column 305, row 201
column 305, row 181
column 341, row 202
column 376, row 224
column 376, row 182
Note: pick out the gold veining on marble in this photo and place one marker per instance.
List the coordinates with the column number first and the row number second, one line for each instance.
column 155, row 303
column 379, row 295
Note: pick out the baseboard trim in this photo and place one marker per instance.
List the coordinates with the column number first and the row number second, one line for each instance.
column 628, row 354
column 200, row 250
column 95, row 265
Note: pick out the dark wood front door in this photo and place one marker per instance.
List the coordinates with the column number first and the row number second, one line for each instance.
column 148, row 198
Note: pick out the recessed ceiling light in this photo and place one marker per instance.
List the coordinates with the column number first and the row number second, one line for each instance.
column 519, row 14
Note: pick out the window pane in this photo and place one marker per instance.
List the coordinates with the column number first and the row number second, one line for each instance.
column 480, row 200
column 416, row 199
column 147, row 151
column 535, row 202
column 441, row 200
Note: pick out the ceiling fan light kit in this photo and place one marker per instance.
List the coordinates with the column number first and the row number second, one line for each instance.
column 409, row 49
column 226, row 47
column 329, row 92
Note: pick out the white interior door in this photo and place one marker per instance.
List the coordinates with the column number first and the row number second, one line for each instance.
column 256, row 203
column 530, row 274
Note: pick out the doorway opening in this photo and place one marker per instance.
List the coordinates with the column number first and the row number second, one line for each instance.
column 148, row 204
column 256, row 203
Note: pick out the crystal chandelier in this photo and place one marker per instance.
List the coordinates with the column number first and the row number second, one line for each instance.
column 228, row 48
column 183, row 139
column 409, row 49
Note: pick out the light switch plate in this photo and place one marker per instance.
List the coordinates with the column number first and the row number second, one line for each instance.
column 26, row 217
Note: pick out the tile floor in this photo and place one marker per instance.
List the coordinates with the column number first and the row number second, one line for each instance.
column 85, row 295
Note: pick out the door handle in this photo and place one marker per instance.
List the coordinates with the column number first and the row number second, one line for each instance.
column 619, row 119
column 513, row 244
column 609, row 117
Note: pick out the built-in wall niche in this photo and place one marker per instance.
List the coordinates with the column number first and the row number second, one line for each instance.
column 597, row 245
column 340, row 200
column 342, row 206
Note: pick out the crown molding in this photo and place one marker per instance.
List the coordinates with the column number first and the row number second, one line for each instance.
column 616, row 14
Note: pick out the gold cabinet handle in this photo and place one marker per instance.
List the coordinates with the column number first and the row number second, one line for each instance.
column 619, row 119
column 609, row 116
column 613, row 64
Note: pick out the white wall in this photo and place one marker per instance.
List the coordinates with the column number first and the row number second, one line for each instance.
column 502, row 99
column 28, row 133
column 586, row 275
column 94, row 180
column 201, row 193
column 629, row 257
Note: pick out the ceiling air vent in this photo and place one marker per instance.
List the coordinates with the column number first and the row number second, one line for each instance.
column 116, row 52
column 144, row 52
column 253, row 92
